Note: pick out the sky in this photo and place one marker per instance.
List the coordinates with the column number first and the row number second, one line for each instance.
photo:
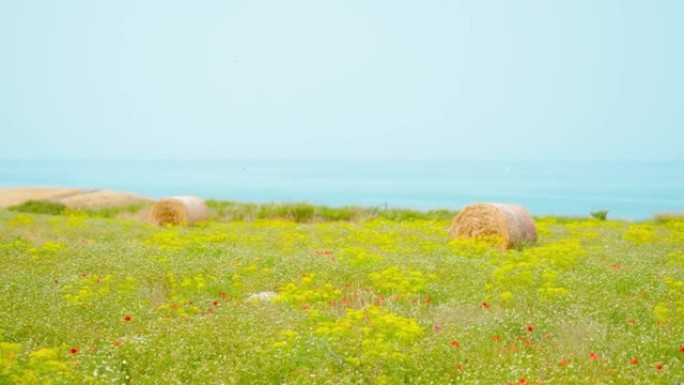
column 353, row 79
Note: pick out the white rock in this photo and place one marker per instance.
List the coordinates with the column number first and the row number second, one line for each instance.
column 265, row 296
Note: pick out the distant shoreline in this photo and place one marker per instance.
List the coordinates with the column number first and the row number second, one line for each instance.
column 631, row 191
column 71, row 197
column 94, row 199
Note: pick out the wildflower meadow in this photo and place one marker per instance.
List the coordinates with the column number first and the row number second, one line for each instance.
column 92, row 300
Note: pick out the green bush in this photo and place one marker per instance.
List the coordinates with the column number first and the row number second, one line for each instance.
column 39, row 207
column 601, row 215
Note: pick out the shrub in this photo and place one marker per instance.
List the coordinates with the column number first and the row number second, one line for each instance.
column 601, row 215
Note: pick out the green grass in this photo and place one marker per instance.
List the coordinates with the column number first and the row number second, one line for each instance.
column 305, row 212
column 117, row 211
column 39, row 207
column 364, row 296
column 226, row 211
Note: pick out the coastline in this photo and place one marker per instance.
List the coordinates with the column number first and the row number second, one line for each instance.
column 71, row 197
column 96, row 199
column 630, row 191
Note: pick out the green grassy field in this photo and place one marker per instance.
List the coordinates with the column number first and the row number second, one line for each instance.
column 380, row 300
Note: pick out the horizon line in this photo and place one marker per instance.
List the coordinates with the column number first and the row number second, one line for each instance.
column 332, row 159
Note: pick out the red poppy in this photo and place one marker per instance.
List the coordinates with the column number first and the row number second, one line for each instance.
column 681, row 349
column 118, row 343
column 74, row 350
column 455, row 344
column 593, row 356
column 563, row 362
column 215, row 303
column 486, row 305
column 128, row 318
column 659, row 367
column 634, row 361
column 529, row 328
column 528, row 342
column 56, row 281
column 496, row 338
column 522, row 381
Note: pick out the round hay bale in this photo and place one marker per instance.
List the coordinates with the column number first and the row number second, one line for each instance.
column 180, row 210
column 512, row 223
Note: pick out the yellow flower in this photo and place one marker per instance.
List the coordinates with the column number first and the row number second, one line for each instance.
column 506, row 296
column 10, row 347
column 45, row 354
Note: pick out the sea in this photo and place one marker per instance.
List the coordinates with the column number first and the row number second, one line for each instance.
column 632, row 190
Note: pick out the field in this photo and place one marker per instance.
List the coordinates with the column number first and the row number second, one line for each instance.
column 378, row 300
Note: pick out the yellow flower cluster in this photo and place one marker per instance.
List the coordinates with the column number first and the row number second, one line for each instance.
column 42, row 366
column 674, row 304
column 287, row 340
column 307, row 291
column 87, row 288
column 358, row 257
column 641, row 234
column 48, row 249
column 184, row 288
column 75, row 219
column 536, row 268
column 676, row 230
column 174, row 238
column 182, row 291
column 366, row 336
column 675, row 259
column 16, row 244
column 394, row 280
column 584, row 228
column 478, row 247
column 247, row 275
column 20, row 220
column 544, row 225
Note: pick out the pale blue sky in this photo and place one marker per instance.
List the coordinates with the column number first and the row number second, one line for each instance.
column 343, row 79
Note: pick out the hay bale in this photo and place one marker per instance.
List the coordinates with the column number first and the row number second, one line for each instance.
column 512, row 223
column 180, row 210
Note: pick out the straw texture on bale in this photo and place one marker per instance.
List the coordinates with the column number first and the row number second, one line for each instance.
column 512, row 223
column 180, row 210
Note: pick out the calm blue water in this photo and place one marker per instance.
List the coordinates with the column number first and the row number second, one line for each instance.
column 630, row 190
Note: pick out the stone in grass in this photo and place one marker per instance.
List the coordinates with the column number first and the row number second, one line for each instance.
column 265, row 296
